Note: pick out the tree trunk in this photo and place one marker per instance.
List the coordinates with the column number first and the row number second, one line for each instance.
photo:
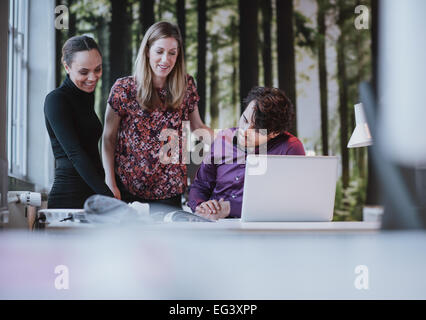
column 234, row 62
column 286, row 55
column 72, row 28
column 58, row 69
column 103, row 38
column 249, row 68
column 359, row 152
column 343, row 101
column 214, row 84
column 181, row 18
column 159, row 10
column 373, row 194
column 266, row 50
column 59, row 41
column 322, row 68
column 201, row 57
column 146, row 14
column 120, row 40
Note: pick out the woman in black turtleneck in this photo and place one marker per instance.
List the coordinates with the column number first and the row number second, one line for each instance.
column 74, row 128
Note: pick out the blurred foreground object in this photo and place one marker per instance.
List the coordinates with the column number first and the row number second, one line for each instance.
column 404, row 207
column 401, row 113
column 402, row 77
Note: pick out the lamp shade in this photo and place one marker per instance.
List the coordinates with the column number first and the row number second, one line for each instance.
column 361, row 137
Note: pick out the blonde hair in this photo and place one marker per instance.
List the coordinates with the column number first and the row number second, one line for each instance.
column 175, row 86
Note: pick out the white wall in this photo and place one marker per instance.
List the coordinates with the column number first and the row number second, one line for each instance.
column 41, row 80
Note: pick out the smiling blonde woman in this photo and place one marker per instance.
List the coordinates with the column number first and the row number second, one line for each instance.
column 159, row 96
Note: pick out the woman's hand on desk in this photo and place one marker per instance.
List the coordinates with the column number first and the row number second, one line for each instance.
column 214, row 209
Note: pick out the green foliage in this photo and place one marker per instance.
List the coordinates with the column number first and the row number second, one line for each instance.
column 91, row 15
column 357, row 56
column 304, row 35
column 349, row 202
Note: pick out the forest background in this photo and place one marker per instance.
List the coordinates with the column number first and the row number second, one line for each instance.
column 312, row 49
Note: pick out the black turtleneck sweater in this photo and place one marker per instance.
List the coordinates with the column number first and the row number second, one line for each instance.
column 74, row 130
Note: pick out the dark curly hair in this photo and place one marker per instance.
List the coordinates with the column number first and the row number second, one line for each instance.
column 272, row 111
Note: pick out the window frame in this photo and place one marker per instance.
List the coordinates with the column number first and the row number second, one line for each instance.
column 17, row 92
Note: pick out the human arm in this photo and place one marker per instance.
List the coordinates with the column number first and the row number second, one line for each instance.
column 214, row 209
column 59, row 115
column 196, row 124
column 204, row 197
column 199, row 128
column 109, row 140
column 203, row 185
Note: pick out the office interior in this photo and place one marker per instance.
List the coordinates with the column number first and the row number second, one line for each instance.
column 383, row 258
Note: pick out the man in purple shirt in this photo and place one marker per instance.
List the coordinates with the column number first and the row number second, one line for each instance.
column 263, row 128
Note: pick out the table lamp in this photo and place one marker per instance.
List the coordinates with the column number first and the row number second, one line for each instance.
column 361, row 137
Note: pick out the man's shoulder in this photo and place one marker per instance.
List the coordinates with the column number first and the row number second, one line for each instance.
column 225, row 135
column 292, row 139
column 294, row 144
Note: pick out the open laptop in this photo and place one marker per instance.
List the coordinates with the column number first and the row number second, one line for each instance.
column 289, row 188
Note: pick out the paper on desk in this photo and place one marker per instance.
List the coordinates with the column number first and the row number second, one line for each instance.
column 141, row 208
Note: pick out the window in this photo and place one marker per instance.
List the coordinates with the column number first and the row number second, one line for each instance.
column 17, row 96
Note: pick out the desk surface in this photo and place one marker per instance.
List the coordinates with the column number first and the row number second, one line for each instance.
column 177, row 262
column 237, row 225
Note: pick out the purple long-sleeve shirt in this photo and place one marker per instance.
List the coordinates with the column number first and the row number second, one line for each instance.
column 221, row 174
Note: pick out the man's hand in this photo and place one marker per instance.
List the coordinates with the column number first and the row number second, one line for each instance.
column 214, row 209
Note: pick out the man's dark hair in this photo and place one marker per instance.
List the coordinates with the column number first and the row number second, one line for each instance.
column 272, row 111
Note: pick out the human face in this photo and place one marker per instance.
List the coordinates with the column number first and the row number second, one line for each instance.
column 162, row 58
column 85, row 70
column 247, row 136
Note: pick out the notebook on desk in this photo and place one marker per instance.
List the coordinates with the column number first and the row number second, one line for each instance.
column 289, row 188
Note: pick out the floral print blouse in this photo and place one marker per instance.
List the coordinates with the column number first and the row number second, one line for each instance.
column 144, row 161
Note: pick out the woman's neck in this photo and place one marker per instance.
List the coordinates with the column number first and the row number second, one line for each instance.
column 159, row 82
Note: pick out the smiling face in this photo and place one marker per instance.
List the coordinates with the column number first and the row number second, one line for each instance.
column 85, row 70
column 162, row 57
column 247, row 135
